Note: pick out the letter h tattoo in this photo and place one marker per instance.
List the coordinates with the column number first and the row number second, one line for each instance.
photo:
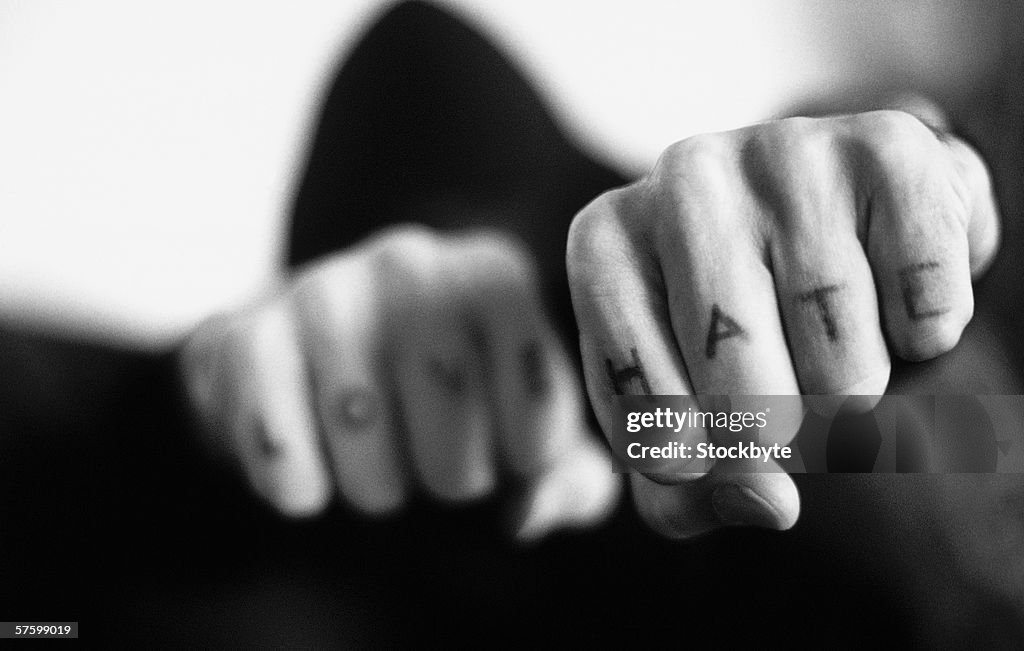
column 630, row 380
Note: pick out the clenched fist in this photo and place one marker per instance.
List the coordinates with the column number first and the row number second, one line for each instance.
column 413, row 360
column 788, row 257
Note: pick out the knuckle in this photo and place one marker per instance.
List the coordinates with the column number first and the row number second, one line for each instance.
column 786, row 137
column 690, row 174
column 693, row 156
column 496, row 261
column 779, row 158
column 405, row 236
column 893, row 124
column 801, row 144
column 895, row 139
column 698, row 179
column 323, row 294
column 597, row 237
column 409, row 249
column 585, row 238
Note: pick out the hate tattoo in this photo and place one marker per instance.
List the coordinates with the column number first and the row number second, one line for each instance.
column 821, row 298
column 626, row 381
column 722, row 327
column 919, row 297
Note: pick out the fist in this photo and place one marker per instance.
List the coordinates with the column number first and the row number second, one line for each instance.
column 788, row 257
column 413, row 361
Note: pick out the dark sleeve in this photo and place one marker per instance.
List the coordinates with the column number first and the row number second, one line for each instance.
column 427, row 122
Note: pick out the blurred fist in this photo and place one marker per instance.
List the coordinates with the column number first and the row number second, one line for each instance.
column 414, row 360
column 787, row 257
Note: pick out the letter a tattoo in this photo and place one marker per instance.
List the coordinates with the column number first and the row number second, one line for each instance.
column 722, row 327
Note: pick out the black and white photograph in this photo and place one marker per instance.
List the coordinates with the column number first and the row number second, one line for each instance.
column 345, row 324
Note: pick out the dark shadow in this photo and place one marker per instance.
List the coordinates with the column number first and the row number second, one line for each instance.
column 427, row 122
column 853, row 443
column 965, row 436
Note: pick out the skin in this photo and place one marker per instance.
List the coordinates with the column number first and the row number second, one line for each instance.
column 419, row 361
column 788, row 257
column 412, row 362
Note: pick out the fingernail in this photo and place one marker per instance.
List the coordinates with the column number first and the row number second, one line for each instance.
column 737, row 504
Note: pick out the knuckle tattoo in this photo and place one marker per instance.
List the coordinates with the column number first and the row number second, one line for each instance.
column 922, row 299
column 722, row 327
column 629, row 380
column 822, row 300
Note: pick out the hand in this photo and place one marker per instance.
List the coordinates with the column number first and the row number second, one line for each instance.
column 787, row 257
column 412, row 360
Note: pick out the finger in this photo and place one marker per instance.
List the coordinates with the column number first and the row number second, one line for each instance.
column 532, row 387
column 825, row 289
column 917, row 237
column 203, row 367
column 438, row 345
column 340, row 321
column 269, row 416
column 727, row 325
column 579, row 490
column 972, row 179
column 570, row 484
column 723, row 307
column 984, row 226
column 766, row 500
column 625, row 338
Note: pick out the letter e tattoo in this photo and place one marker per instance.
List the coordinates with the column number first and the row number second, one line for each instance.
column 918, row 298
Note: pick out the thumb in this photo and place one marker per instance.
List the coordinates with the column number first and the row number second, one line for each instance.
column 692, row 508
column 581, row 490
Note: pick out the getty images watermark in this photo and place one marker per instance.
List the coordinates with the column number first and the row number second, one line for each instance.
column 819, row 434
